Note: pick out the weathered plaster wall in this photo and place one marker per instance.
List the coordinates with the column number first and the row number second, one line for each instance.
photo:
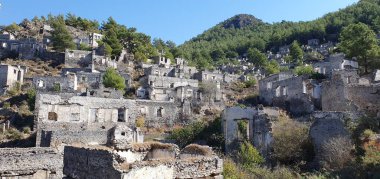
column 160, row 171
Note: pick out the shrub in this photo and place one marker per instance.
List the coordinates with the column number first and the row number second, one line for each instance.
column 15, row 89
column 57, row 87
column 290, row 144
column 23, row 110
column 140, row 122
column 251, row 82
column 13, row 134
column 26, row 130
column 336, row 153
column 187, row 135
column 7, row 105
column 231, row 170
column 249, row 156
column 112, row 79
column 304, row 70
column 31, row 98
column 367, row 133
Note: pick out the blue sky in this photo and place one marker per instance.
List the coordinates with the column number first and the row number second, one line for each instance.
column 177, row 20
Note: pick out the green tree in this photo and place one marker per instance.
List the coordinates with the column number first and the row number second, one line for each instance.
column 358, row 40
column 111, row 29
column 272, row 67
column 12, row 28
column 61, row 37
column 107, row 50
column 112, row 79
column 256, row 57
column 296, row 52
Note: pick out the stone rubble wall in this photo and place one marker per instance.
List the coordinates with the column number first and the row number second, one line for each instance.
column 89, row 163
column 199, row 168
column 19, row 162
column 102, row 162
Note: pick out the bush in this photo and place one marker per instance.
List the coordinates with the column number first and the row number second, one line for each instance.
column 15, row 89
column 336, row 153
column 6, row 105
column 291, row 143
column 112, row 79
column 251, row 82
column 249, row 156
column 31, row 98
column 23, row 110
column 367, row 133
column 13, row 134
column 26, row 130
column 140, row 122
column 57, row 87
column 187, row 135
column 231, row 170
column 304, row 70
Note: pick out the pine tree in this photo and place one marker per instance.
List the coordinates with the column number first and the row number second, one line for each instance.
column 61, row 37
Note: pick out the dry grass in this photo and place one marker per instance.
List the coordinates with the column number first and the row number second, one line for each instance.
column 146, row 146
column 197, row 149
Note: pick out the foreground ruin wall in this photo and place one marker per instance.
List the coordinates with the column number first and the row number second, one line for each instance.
column 89, row 163
column 41, row 163
column 102, row 162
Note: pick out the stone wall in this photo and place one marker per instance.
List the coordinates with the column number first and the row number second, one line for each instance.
column 344, row 93
column 299, row 95
column 54, row 109
column 170, row 82
column 325, row 127
column 56, row 57
column 259, row 130
column 89, row 163
column 78, row 58
column 41, row 163
column 9, row 75
column 102, row 162
column 66, row 84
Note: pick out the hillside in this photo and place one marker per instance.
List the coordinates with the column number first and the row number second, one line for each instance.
column 233, row 37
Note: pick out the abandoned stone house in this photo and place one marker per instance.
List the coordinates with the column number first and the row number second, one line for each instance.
column 161, row 88
column 334, row 62
column 178, row 70
column 27, row 48
column 208, row 76
column 298, row 94
column 88, row 59
column 10, row 76
column 259, row 127
column 346, row 91
column 78, row 81
column 94, row 38
column 58, row 110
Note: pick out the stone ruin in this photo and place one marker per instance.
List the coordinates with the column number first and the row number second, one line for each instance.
column 128, row 158
column 123, row 154
column 259, row 130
